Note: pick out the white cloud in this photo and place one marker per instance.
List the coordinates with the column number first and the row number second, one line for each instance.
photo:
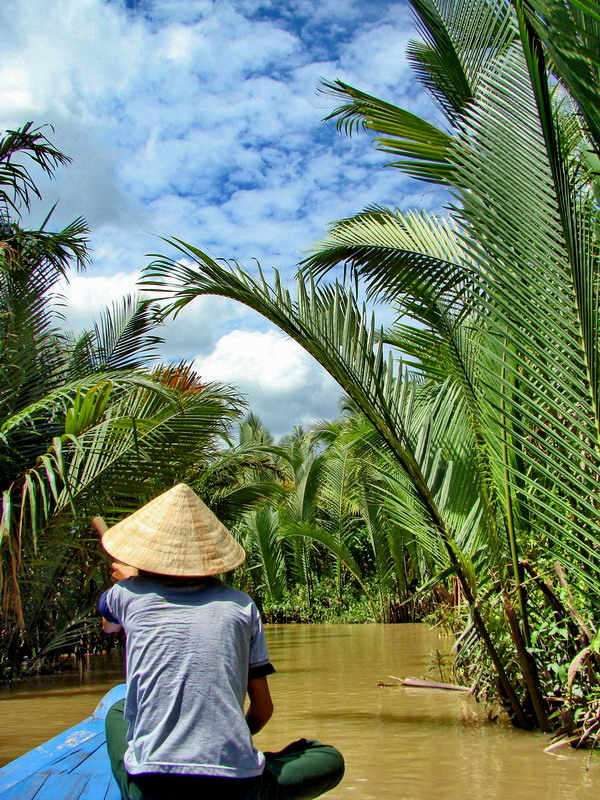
column 201, row 120
column 282, row 383
column 269, row 361
column 195, row 330
column 86, row 297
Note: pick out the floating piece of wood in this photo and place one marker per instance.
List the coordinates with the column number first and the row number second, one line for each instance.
column 421, row 683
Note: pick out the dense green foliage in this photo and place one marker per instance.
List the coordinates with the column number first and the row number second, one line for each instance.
column 325, row 550
column 483, row 397
column 88, row 425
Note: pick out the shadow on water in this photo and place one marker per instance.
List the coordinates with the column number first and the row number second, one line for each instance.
column 50, row 693
column 400, row 718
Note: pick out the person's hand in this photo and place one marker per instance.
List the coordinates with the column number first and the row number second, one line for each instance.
column 120, row 571
column 100, row 526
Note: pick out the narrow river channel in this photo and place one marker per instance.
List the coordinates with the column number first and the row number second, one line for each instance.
column 399, row 744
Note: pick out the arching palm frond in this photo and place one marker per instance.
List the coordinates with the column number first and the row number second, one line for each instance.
column 262, row 540
column 538, row 253
column 252, row 430
column 400, row 257
column 16, row 182
column 106, row 422
column 422, row 146
column 125, row 337
column 327, row 322
column 315, row 533
column 460, row 37
column 569, row 31
column 302, row 500
column 238, row 479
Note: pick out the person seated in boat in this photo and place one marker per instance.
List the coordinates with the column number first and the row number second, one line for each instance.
column 195, row 648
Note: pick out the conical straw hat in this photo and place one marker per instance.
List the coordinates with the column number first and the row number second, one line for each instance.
column 174, row 534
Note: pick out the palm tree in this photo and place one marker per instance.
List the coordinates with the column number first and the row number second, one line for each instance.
column 493, row 416
column 402, row 565
column 99, row 443
column 307, row 526
column 88, row 425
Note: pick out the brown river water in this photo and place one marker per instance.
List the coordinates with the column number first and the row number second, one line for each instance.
column 399, row 744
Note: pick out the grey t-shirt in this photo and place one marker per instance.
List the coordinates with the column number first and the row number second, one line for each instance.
column 190, row 647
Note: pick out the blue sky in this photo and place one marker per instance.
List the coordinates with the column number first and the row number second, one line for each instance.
column 201, row 119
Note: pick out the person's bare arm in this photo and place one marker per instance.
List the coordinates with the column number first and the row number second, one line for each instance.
column 260, row 710
column 110, row 627
column 118, row 571
column 100, row 525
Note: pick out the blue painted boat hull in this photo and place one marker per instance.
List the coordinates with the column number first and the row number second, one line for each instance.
column 72, row 766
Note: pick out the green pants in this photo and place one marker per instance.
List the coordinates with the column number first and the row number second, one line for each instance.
column 301, row 771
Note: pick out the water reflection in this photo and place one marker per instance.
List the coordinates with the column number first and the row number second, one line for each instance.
column 399, row 744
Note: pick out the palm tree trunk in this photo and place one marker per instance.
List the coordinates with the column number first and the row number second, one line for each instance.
column 528, row 667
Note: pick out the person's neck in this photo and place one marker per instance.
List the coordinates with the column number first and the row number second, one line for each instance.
column 177, row 580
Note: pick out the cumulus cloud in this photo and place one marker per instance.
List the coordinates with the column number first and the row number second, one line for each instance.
column 282, row 383
column 200, row 119
column 172, row 110
column 194, row 331
column 86, row 297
